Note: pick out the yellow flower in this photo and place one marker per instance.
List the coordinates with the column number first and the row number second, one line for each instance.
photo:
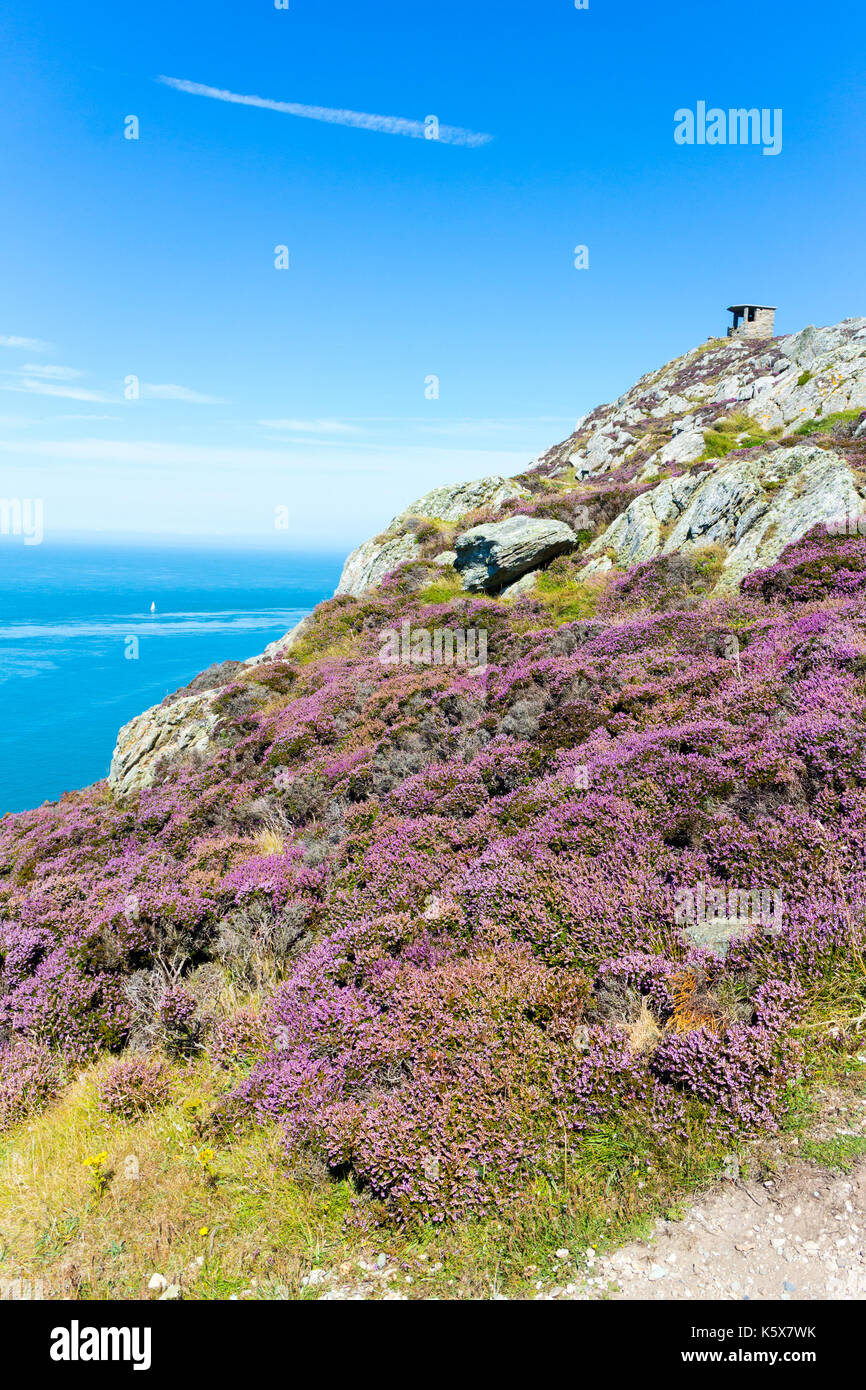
column 204, row 1230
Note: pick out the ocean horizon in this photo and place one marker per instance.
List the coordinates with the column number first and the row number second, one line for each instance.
column 69, row 675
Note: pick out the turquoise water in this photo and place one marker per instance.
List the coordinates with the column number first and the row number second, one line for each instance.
column 67, row 614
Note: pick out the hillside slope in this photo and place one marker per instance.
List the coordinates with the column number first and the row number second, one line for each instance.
column 449, row 926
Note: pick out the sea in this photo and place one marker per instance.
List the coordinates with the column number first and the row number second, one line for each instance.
column 92, row 635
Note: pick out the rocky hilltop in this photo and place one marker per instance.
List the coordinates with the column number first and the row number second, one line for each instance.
column 742, row 445
column 475, row 936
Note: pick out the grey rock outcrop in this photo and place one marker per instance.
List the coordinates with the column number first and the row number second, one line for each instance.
column 452, row 503
column 184, row 723
column 779, row 385
column 493, row 555
column 367, row 566
column 165, row 732
column 753, row 505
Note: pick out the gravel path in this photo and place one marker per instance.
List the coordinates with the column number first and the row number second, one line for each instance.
column 800, row 1236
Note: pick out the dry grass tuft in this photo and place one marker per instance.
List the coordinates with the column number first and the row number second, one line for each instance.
column 270, row 841
column 644, row 1032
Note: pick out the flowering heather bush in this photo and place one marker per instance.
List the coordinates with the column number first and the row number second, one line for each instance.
column 30, row 1076
column 134, row 1086
column 669, row 581
column 741, row 1074
column 472, row 882
column 178, row 1016
column 241, row 1038
column 819, row 566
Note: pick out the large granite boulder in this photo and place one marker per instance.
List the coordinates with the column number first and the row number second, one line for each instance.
column 495, row 554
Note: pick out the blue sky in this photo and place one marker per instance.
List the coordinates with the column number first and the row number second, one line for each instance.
column 409, row 257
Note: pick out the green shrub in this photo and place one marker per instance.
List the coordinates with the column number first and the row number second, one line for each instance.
column 441, row 590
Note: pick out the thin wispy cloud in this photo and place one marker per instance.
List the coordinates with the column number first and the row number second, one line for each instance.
column 31, row 344
column 309, row 426
column 61, row 382
column 36, row 386
column 52, row 373
column 360, row 120
column 153, row 391
column 159, row 453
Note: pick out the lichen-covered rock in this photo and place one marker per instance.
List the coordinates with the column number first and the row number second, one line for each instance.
column 454, row 502
column 524, row 585
column 685, row 447
column 183, row 724
column 368, row 565
column 753, row 505
column 167, row 733
column 495, row 554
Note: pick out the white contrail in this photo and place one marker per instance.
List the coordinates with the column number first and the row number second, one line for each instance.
column 386, row 125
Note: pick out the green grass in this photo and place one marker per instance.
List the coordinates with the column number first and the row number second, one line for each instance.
column 723, row 437
column 254, row 1220
column 828, row 423
column 841, row 1152
column 568, row 600
column 441, row 590
column 716, row 445
column 709, row 561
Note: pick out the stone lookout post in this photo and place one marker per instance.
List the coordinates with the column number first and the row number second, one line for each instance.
column 752, row 320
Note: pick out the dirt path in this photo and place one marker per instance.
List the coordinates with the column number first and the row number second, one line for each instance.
column 800, row 1236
